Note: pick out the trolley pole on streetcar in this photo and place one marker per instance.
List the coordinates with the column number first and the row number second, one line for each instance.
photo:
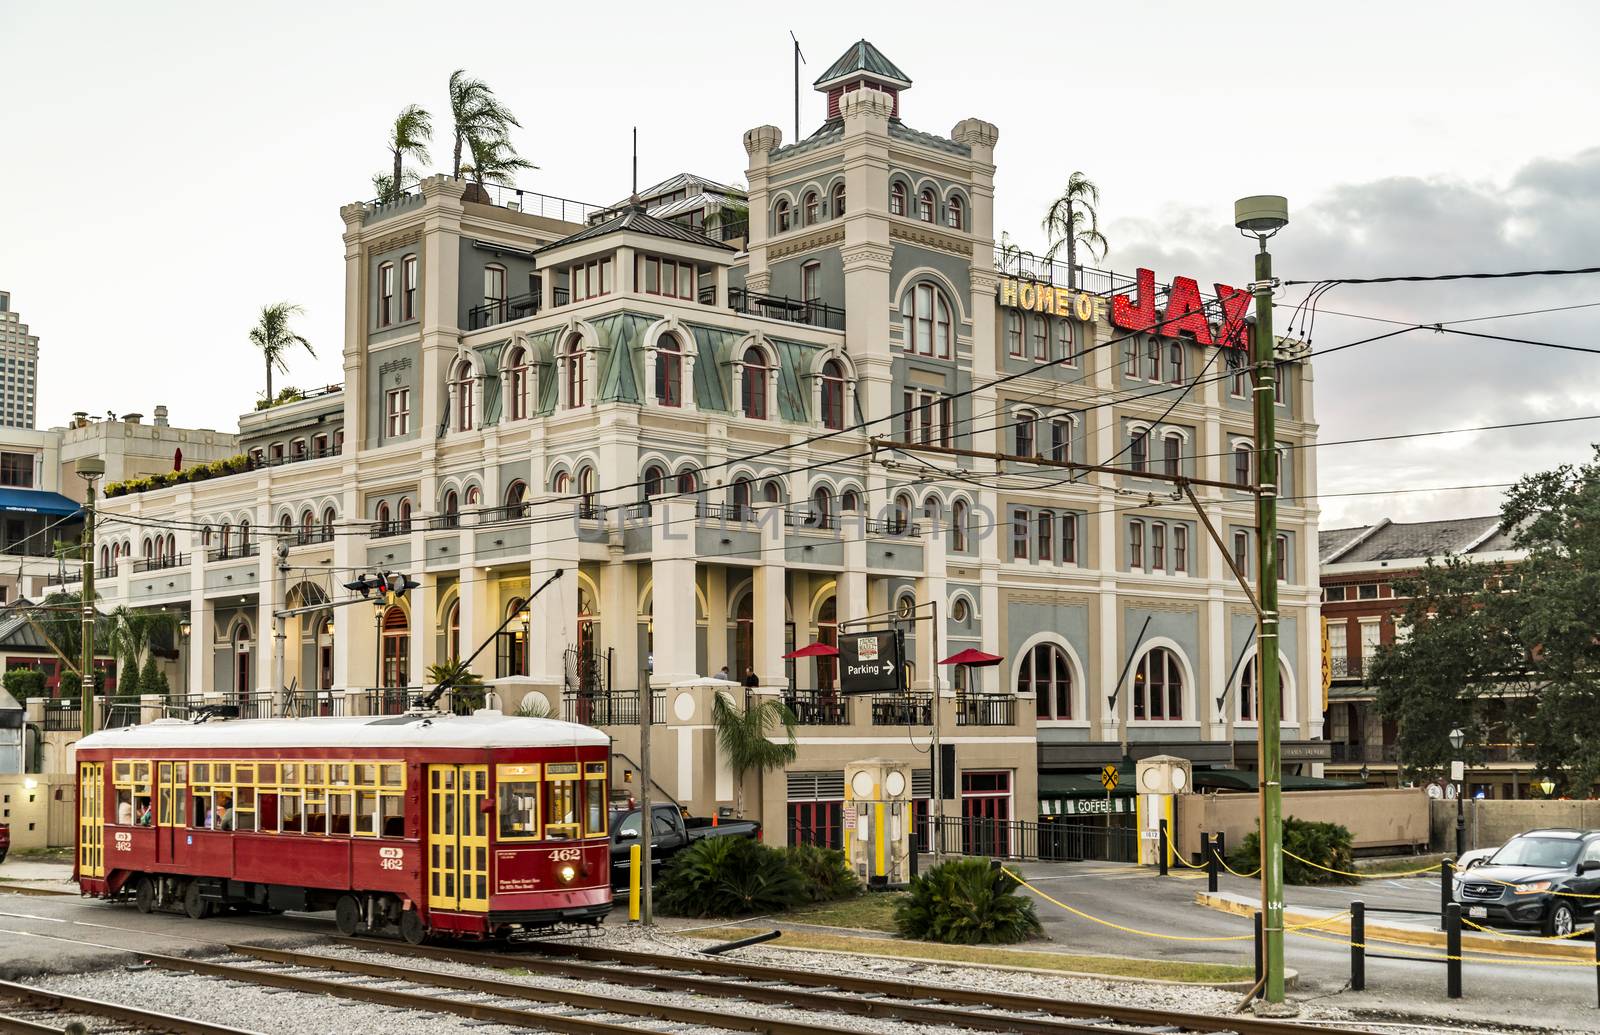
column 90, row 469
column 1261, row 217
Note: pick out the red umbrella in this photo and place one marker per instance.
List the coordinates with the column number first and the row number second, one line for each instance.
column 814, row 650
column 973, row 658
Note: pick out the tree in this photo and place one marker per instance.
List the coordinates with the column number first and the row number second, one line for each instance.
column 745, row 738
column 408, row 138
column 1459, row 652
column 494, row 160
column 128, row 681
column 466, row 686
column 273, row 336
column 475, row 113
column 152, row 680
column 1074, row 219
column 134, row 631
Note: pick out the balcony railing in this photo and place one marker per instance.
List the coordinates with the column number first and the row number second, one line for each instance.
column 63, row 716
column 819, row 707
column 610, row 708
column 1035, row 267
column 509, row 512
column 733, row 230
column 444, row 522
column 986, row 710
column 235, row 550
column 530, row 203
column 809, row 311
column 503, row 311
column 312, row 536
column 160, row 563
column 389, row 529
column 910, row 709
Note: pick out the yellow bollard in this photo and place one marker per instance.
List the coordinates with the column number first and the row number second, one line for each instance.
column 635, row 856
column 878, row 847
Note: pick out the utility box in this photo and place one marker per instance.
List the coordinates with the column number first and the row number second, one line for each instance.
column 878, row 821
column 1158, row 780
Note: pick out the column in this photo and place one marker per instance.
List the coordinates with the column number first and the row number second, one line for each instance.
column 424, row 624
column 852, row 592
column 619, row 617
column 931, row 634
column 672, row 570
column 553, row 614
column 477, row 620
column 716, row 619
column 202, row 634
column 769, row 591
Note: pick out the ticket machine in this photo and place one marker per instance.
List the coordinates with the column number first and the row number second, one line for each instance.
column 878, row 820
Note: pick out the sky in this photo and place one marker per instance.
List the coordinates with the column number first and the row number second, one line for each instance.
column 166, row 169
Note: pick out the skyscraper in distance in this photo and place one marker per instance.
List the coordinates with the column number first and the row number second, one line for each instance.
column 19, row 362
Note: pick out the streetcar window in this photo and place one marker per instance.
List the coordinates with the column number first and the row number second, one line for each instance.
column 267, row 812
column 133, row 791
column 366, row 812
column 267, row 773
column 339, row 774
column 202, row 772
column 223, row 772
column 366, row 775
column 289, row 812
column 316, row 813
column 594, row 799
column 340, row 812
column 202, row 808
column 291, row 773
column 394, row 775
column 244, row 809
column 519, row 810
column 314, row 772
column 561, row 797
column 391, row 812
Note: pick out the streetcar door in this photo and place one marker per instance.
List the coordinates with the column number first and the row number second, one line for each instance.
column 91, row 819
column 458, row 837
column 171, row 781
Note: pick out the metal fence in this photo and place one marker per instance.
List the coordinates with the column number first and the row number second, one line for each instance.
column 611, row 708
column 986, row 710
column 1046, row 840
column 909, row 709
column 63, row 716
column 819, row 707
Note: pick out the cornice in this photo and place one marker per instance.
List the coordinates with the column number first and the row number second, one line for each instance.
column 806, row 242
column 928, row 237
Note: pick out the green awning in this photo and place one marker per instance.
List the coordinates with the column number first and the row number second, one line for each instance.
column 1245, row 780
column 1083, row 785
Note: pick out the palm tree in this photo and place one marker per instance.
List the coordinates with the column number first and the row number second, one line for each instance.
column 133, row 634
column 275, row 339
column 1073, row 220
column 494, row 160
column 475, row 112
column 745, row 738
column 466, row 686
column 408, row 138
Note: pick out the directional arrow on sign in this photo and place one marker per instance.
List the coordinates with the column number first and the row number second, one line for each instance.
column 888, row 666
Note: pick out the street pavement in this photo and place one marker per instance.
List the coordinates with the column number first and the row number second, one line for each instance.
column 1520, row 992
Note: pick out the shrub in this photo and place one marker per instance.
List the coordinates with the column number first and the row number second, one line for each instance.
column 152, row 680
column 1327, row 844
column 70, row 685
column 128, row 681
column 729, row 876
column 966, row 902
column 23, row 683
column 825, row 875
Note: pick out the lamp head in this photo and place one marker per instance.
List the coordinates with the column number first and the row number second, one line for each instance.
column 184, row 627
column 1457, row 738
column 89, row 467
column 1546, row 786
column 1261, row 214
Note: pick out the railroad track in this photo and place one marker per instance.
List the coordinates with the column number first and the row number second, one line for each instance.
column 25, row 1010
column 920, row 1004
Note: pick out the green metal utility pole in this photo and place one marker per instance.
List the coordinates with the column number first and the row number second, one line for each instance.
column 89, row 468
column 1262, row 217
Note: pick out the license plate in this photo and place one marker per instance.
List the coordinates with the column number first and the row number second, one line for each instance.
column 1478, row 912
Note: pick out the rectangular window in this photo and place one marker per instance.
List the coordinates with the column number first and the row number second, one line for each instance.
column 1041, row 339
column 16, row 470
column 1131, row 359
column 908, row 415
column 397, row 412
column 1367, row 591
column 1280, row 390
column 925, row 419
column 811, row 281
column 1069, row 538
column 1152, row 360
column 1241, row 553
column 561, row 801
column 1047, row 535
column 1171, row 454
column 1180, row 549
column 1060, row 448
column 385, row 294
column 1239, row 375
column 1136, row 544
column 1014, row 333
column 594, row 799
column 1333, row 594
column 408, row 288
column 591, row 279
column 1139, row 451
column 1283, row 558
column 947, row 419
column 519, row 810
column 1158, row 546
column 1019, row 535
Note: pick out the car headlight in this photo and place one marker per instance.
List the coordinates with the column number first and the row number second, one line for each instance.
column 567, row 874
column 1533, row 888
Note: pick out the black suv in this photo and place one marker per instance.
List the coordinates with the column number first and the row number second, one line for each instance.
column 1548, row 879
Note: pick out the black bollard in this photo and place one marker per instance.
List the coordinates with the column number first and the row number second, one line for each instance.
column 1161, row 846
column 1452, row 949
column 1209, row 847
column 1261, row 964
column 1358, row 949
column 1447, row 871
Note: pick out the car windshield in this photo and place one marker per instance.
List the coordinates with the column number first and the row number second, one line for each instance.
column 1536, row 851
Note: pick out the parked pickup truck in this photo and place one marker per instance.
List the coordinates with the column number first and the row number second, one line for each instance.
column 672, row 834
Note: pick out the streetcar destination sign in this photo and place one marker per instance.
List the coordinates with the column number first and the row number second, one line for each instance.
column 869, row 662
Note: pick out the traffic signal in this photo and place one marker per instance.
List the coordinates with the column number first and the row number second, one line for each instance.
column 397, row 583
column 366, row 585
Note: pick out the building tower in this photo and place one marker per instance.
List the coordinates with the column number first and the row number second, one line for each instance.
column 19, row 352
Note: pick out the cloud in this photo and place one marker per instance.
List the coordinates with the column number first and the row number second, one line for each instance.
column 1546, row 215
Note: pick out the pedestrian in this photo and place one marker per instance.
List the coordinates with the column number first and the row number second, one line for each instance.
column 722, row 673
column 750, row 679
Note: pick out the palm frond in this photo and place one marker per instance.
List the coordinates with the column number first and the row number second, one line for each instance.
column 744, row 737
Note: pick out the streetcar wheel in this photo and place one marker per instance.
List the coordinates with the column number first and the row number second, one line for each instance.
column 412, row 929
column 195, row 907
column 347, row 916
column 144, row 895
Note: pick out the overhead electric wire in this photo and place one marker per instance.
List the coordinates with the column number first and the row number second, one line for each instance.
column 1438, row 277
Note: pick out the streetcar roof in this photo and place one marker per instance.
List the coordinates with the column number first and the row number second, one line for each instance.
column 483, row 729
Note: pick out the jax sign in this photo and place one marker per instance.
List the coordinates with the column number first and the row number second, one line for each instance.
column 870, row 662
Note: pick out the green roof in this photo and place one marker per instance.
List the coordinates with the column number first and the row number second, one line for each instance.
column 863, row 57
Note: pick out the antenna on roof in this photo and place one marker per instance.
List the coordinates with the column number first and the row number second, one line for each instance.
column 799, row 59
column 634, row 197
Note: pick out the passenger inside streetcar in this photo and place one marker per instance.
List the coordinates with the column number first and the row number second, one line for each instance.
column 142, row 812
column 222, row 818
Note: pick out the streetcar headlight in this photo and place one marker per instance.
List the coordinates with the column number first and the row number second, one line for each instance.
column 567, row 873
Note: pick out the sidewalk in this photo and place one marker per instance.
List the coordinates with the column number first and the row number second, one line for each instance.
column 37, row 874
column 1409, row 930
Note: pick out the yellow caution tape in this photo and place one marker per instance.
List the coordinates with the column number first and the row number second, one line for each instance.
column 1361, row 876
column 1377, row 943
column 1253, row 873
column 1524, row 937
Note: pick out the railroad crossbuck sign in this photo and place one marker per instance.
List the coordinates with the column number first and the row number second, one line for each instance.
column 1109, row 777
column 869, row 662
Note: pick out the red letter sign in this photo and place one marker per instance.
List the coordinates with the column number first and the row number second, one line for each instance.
column 1235, row 306
column 1140, row 315
column 1185, row 313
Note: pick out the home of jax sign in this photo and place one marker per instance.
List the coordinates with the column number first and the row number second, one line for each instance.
column 1186, row 314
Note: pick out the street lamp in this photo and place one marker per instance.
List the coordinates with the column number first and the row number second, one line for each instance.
column 1546, row 786
column 1261, row 217
column 1458, row 773
column 91, row 469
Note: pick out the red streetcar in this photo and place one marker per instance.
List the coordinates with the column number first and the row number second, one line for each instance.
column 465, row 826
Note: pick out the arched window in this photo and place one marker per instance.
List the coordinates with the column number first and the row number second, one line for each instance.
column 586, row 481
column 688, row 481
column 561, row 483
column 105, row 558
column 1025, row 439
column 1038, row 327
column 655, row 478
column 517, row 384
column 405, row 514
column 828, row 634
column 741, row 497
column 925, row 324
column 224, row 536
column 1241, row 466
column 822, row 508
column 382, row 517
column 669, row 371
column 1152, row 359
column 960, row 514
column 396, row 648
column 811, row 207
column 954, row 213
column 832, row 395
column 408, row 288
column 754, row 378
column 897, row 199
column 327, row 522
column 900, row 520
column 1014, row 345
column 1175, row 362
column 781, row 215
column 572, row 363
column 772, row 492
column 205, row 535
column 1158, row 686
column 308, row 527
column 925, row 205
column 1046, row 673
column 837, row 204
column 1139, row 451
column 286, row 525
column 244, row 533
column 452, row 509
column 386, row 294
column 517, row 491
column 850, row 502
column 452, row 624
column 513, row 646
column 146, row 547
column 243, row 650
column 1249, row 690
column 461, row 394
column 1172, row 454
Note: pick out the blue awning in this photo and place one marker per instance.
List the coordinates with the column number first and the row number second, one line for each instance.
column 36, row 501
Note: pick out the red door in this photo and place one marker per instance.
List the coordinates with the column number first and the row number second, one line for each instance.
column 986, row 814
